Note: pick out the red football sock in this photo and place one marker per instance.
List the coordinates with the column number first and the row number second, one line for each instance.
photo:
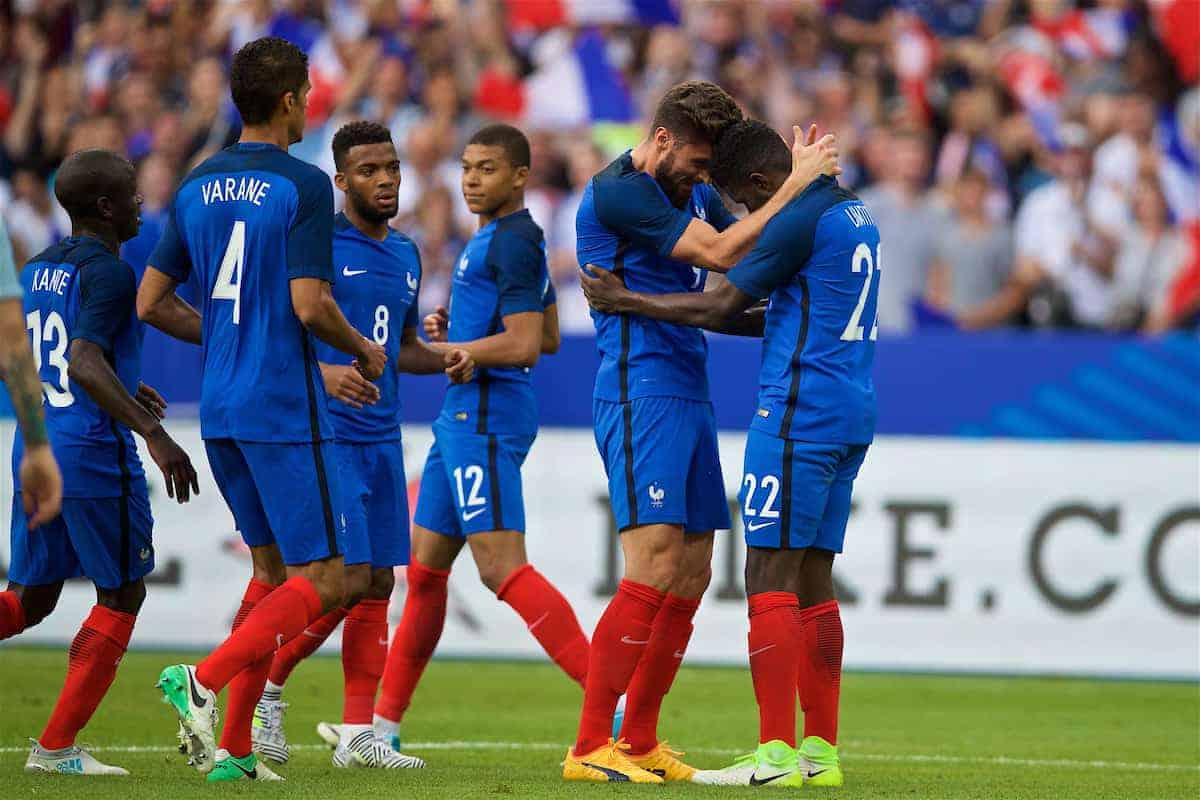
column 12, row 615
column 415, row 639
column 821, row 669
column 364, row 653
column 621, row 637
column 91, row 667
column 775, row 653
column 304, row 645
column 549, row 617
column 247, row 685
column 656, row 672
column 271, row 624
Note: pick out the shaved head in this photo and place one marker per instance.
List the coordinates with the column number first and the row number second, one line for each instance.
column 99, row 186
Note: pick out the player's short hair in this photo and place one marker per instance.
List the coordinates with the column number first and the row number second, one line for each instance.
column 747, row 147
column 696, row 111
column 510, row 139
column 86, row 176
column 352, row 134
column 263, row 71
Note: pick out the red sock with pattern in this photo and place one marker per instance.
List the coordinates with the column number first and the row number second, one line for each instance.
column 364, row 653
column 91, row 666
column 620, row 639
column 271, row 624
column 12, row 615
column 775, row 654
column 304, row 645
column 656, row 672
column 821, row 668
column 549, row 617
column 415, row 639
column 246, row 687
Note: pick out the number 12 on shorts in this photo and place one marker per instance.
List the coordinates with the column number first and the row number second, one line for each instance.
column 468, row 496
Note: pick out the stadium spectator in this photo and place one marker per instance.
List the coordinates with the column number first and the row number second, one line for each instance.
column 1151, row 256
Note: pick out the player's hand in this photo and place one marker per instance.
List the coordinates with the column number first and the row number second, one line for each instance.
column 41, row 485
column 372, row 360
column 348, row 385
column 460, row 367
column 436, row 324
column 812, row 157
column 177, row 469
column 604, row 290
column 151, row 400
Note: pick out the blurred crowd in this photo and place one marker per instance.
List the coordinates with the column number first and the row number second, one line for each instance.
column 1029, row 162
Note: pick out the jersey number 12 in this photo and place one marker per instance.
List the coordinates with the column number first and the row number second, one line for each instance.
column 229, row 277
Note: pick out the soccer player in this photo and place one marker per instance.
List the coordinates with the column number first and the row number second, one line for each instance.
column 378, row 283
column 257, row 226
column 471, row 486
column 652, row 218
column 80, row 312
column 818, row 262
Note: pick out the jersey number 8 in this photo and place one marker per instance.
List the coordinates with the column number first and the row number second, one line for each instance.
column 379, row 332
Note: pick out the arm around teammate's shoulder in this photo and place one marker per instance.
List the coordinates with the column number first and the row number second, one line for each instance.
column 703, row 246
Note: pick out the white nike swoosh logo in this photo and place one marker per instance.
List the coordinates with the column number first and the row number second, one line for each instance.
column 757, row 526
column 350, row 273
column 627, row 640
column 539, row 620
column 312, row 635
column 470, row 515
column 678, row 654
column 383, row 642
column 753, row 653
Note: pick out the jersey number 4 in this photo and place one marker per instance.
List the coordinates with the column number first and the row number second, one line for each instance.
column 858, row 262
column 229, row 277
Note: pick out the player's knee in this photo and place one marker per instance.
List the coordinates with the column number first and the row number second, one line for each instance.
column 493, row 571
column 127, row 599
column 331, row 588
column 383, row 583
column 36, row 610
column 357, row 584
column 692, row 581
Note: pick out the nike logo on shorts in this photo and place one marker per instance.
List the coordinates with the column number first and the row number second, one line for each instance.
column 757, row 526
column 350, row 273
column 470, row 515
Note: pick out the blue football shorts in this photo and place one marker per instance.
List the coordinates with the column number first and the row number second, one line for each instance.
column 663, row 467
column 376, row 502
column 106, row 539
column 797, row 494
column 284, row 494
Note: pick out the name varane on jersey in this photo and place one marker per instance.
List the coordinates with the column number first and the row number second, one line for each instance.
column 626, row 224
column 818, row 260
column 77, row 289
column 377, row 288
column 502, row 271
column 249, row 220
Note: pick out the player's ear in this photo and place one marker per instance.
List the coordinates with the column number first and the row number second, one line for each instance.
column 662, row 138
column 521, row 176
column 105, row 208
column 339, row 180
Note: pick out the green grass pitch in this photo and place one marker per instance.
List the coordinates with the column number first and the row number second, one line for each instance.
column 500, row 730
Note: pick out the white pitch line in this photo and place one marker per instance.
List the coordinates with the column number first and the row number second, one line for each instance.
column 852, row 756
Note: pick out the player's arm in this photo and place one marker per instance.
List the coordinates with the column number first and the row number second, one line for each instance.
column 158, row 305
column 107, row 291
column 704, row 246
column 713, row 310
column 752, row 322
column 41, row 481
column 421, row 358
column 551, row 337
column 310, row 274
column 518, row 345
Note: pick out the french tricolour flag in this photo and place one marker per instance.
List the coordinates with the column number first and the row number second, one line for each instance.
column 544, row 14
column 574, row 84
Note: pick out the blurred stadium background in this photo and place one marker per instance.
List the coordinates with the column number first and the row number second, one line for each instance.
column 1033, row 502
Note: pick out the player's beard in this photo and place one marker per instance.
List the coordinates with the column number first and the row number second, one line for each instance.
column 370, row 212
column 678, row 188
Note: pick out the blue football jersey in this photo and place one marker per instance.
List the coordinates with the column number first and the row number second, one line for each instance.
column 501, row 271
column 818, row 260
column 77, row 289
column 626, row 224
column 248, row 220
column 377, row 291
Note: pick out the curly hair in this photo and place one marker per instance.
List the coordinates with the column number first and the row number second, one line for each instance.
column 696, row 111
column 747, row 147
column 263, row 71
column 352, row 134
